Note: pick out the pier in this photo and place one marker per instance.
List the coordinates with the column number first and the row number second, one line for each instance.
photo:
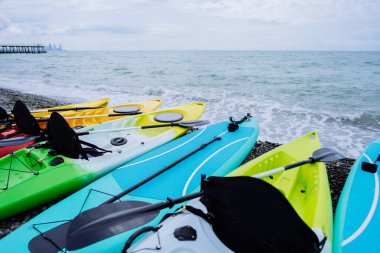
column 22, row 49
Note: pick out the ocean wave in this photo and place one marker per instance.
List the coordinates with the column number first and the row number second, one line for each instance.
column 154, row 92
column 122, row 71
column 363, row 120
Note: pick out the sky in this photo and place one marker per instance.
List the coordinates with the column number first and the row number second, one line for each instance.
column 193, row 24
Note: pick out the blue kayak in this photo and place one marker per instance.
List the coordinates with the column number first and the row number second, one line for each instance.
column 357, row 217
column 47, row 231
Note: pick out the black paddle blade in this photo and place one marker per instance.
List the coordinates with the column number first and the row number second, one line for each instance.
column 51, row 241
column 327, row 155
column 193, row 123
column 85, row 237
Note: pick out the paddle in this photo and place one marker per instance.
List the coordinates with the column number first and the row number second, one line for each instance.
column 44, row 119
column 93, row 116
column 68, row 109
column 319, row 155
column 187, row 124
column 111, row 219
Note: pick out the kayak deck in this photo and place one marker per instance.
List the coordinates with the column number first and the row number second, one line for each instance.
column 143, row 107
column 306, row 187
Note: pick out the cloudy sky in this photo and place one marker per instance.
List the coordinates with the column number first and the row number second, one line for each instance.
column 193, row 24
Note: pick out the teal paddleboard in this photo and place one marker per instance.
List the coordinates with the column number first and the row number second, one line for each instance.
column 357, row 217
column 217, row 158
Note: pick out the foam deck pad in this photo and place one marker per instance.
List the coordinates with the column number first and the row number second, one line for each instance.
column 126, row 109
column 168, row 117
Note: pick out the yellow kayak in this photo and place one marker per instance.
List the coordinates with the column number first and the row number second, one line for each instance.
column 93, row 103
column 306, row 187
column 94, row 116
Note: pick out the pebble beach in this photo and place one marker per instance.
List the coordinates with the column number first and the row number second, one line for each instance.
column 337, row 171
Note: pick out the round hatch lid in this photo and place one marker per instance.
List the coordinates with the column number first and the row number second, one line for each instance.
column 126, row 109
column 119, row 141
column 168, row 117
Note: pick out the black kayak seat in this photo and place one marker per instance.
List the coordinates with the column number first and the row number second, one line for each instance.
column 24, row 120
column 250, row 215
column 63, row 139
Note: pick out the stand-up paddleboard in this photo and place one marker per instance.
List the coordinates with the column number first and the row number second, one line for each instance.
column 357, row 217
column 212, row 150
column 38, row 174
column 306, row 189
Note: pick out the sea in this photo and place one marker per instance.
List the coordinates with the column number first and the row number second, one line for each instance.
column 289, row 93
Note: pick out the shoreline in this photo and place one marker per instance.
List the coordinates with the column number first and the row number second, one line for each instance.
column 8, row 98
column 337, row 171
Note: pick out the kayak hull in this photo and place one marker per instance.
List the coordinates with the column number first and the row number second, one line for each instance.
column 35, row 179
column 357, row 216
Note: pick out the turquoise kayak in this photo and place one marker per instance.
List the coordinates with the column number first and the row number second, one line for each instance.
column 357, row 217
column 217, row 158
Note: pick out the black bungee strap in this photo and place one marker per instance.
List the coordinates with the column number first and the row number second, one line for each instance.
column 234, row 124
column 198, row 212
column 94, row 151
column 136, row 234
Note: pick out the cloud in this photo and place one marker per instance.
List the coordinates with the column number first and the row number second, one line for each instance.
column 4, row 22
column 282, row 11
column 194, row 24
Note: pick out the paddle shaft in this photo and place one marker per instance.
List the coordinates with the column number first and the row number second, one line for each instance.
column 287, row 167
column 129, row 128
column 318, row 158
column 68, row 109
column 118, row 196
column 78, row 117
column 92, row 116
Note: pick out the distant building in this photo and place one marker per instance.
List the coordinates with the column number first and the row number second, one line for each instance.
column 53, row 47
